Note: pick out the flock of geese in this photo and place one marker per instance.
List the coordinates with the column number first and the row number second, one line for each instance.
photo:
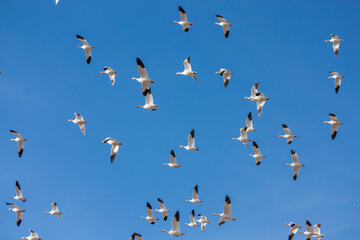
column 145, row 81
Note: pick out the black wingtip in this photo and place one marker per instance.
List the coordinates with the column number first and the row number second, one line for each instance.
column 88, row 60
column 193, row 212
column 227, row 199
column 181, row 9
column 196, row 188
column 165, row 218
column 295, row 177
column 21, row 152
column 78, row 36
column 333, row 135
column 227, row 34
column 140, row 63
column 284, row 126
column 258, row 163
column 308, row 223
column 18, row 185
column 219, row 16
column 12, row 131
column 255, row 144
column 192, row 133
column 172, row 153
column 337, row 89
column 160, row 200
column 147, row 91
column 293, row 152
column 148, row 205
column 177, row 216
column 186, row 29
column 250, row 116
column 331, row 114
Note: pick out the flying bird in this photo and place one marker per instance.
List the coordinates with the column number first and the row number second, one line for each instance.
column 187, row 70
column 317, row 232
column 337, row 78
column 192, row 220
column 86, row 47
column 79, row 120
column 111, row 73
column 191, row 142
column 258, row 97
column 55, row 211
column 254, row 90
column 336, row 43
column 258, row 157
column 335, row 123
column 184, row 22
column 138, row 236
column 226, row 75
column 288, row 135
column 18, row 211
column 203, row 221
column 175, row 230
column 226, row 215
column 19, row 195
column 114, row 147
column 309, row 232
column 20, row 140
column 293, row 229
column 173, row 162
column 195, row 196
column 33, row 236
column 149, row 101
column 224, row 24
column 162, row 209
column 295, row 164
column 144, row 77
column 249, row 124
column 243, row 137
column 150, row 217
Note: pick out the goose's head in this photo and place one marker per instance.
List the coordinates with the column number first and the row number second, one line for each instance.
column 140, row 106
column 217, row 23
column 182, row 146
column 176, row 22
column 134, row 78
column 178, row 73
column 287, row 164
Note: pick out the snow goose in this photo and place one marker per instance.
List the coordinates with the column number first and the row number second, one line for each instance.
column 203, row 221
column 187, row 70
column 257, row 154
column 317, row 232
column 335, row 123
column 309, row 231
column 175, row 230
column 19, row 195
column 253, row 92
column 150, row 217
column 79, row 120
column 173, row 162
column 111, row 73
column 20, row 141
column 195, row 196
column 162, row 209
column 114, row 149
column 249, row 124
column 55, row 211
column 184, row 22
column 18, row 211
column 192, row 220
column 86, row 47
column 138, row 236
column 289, row 137
column 191, row 142
column 243, row 137
column 144, row 77
column 337, row 78
column 295, row 164
column 226, row 215
column 224, row 24
column 336, row 43
column 293, row 229
column 33, row 236
column 149, row 101
column 226, row 75
column 260, row 102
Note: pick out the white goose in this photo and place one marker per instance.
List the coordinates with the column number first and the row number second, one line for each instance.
column 111, row 73
column 309, row 231
column 191, row 142
column 253, row 92
column 162, row 209
column 175, row 230
column 20, row 141
column 195, row 195
column 187, row 70
column 203, row 221
column 317, row 232
column 335, row 123
column 192, row 220
column 293, row 229
column 19, row 195
column 260, row 102
column 86, row 47
column 149, row 101
column 150, row 217
column 243, row 137
column 79, row 120
column 33, row 236
column 173, row 162
column 144, row 77
column 226, row 215
column 258, row 157
column 249, row 124
column 138, row 236
column 184, row 22
column 295, row 164
column 114, row 149
column 336, row 43
column 224, row 24
column 288, row 135
column 226, row 75
column 55, row 211
column 337, row 78
column 18, row 211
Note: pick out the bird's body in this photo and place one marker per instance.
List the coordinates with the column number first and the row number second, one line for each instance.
column 226, row 76
column 175, row 230
column 184, row 22
column 144, row 77
column 258, row 156
column 55, row 211
column 243, row 137
column 86, row 47
column 191, row 142
column 20, row 140
column 114, row 147
column 293, row 229
column 309, row 233
column 18, row 211
column 249, row 124
column 187, row 69
column 33, row 236
column 335, row 123
column 192, row 220
column 337, row 77
column 150, row 217
column 317, row 232
column 19, row 195
column 149, row 101
column 288, row 135
column 195, row 196
column 224, row 24
column 295, row 164
column 257, row 97
column 226, row 215
column 173, row 162
column 336, row 43
column 111, row 73
column 203, row 221
column 162, row 209
column 79, row 120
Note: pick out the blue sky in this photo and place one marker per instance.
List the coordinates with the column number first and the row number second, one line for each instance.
column 45, row 79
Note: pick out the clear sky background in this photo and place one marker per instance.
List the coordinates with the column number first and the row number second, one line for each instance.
column 45, row 79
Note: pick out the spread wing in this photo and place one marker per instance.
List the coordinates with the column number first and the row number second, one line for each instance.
column 114, row 150
column 191, row 138
column 187, row 65
column 182, row 14
column 141, row 68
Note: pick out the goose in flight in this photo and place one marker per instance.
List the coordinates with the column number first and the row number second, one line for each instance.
column 175, row 230
column 20, row 141
column 293, row 229
column 224, row 24
column 295, row 164
column 19, row 195
column 33, row 236
column 253, row 92
column 192, row 220
column 195, row 195
column 336, row 43
column 162, row 209
column 226, row 75
column 337, row 78
column 203, row 221
column 18, row 211
column 86, row 47
column 187, row 70
column 138, row 236
column 111, row 73
column 79, row 120
column 226, row 215
column 335, row 123
column 114, row 147
column 184, row 22
column 149, row 101
column 309, row 231
column 257, row 154
column 317, row 232
column 150, row 217
column 55, row 211
column 173, row 162
column 144, row 77
column 249, row 124
column 243, row 137
column 288, row 135
column 260, row 102
column 191, row 142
